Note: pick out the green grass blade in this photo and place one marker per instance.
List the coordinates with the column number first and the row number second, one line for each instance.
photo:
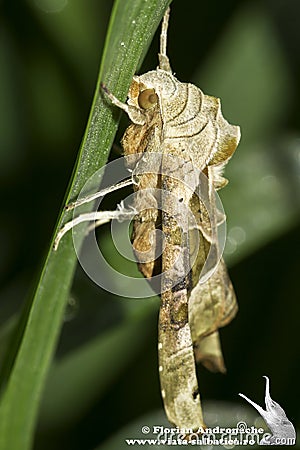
column 130, row 31
column 80, row 372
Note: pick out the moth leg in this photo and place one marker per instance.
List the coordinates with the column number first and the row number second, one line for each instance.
column 98, row 194
column 100, row 217
column 135, row 115
column 120, row 214
column 163, row 59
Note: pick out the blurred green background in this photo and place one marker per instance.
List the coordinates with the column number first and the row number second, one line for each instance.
column 105, row 376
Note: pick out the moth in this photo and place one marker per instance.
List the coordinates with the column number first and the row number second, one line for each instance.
column 191, row 142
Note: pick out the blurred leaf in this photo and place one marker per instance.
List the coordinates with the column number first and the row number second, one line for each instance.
column 130, row 31
column 247, row 70
column 77, row 36
column 78, row 380
column 6, row 331
column 10, row 113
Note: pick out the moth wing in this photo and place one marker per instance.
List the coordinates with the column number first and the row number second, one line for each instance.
column 230, row 302
column 208, row 352
column 211, row 306
column 177, row 371
column 176, row 356
column 136, row 142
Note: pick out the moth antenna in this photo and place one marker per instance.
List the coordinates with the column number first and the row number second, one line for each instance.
column 163, row 59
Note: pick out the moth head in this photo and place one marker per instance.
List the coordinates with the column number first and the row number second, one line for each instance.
column 141, row 96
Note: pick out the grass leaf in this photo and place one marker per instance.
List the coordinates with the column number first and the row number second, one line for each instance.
column 130, row 31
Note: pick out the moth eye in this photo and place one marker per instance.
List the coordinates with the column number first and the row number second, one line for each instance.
column 147, row 98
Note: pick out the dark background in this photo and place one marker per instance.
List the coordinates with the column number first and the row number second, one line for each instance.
column 247, row 53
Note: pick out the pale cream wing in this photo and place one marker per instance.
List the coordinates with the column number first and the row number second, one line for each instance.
column 179, row 385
